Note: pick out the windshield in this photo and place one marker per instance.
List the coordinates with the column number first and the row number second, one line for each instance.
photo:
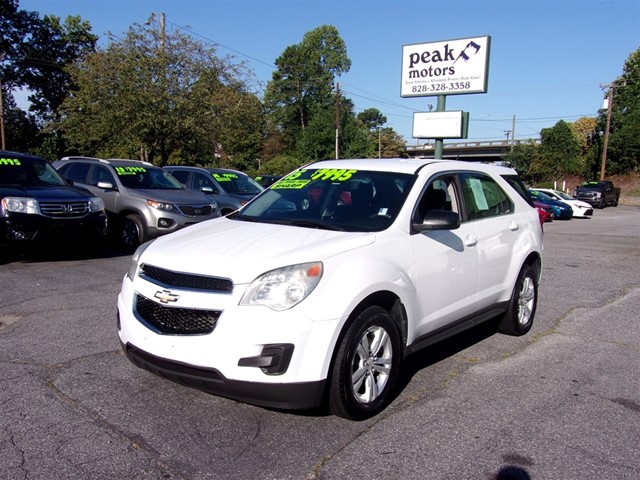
column 349, row 200
column 563, row 195
column 237, row 183
column 27, row 172
column 543, row 197
column 147, row 177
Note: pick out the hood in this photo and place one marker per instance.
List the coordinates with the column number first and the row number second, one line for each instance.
column 46, row 192
column 176, row 197
column 243, row 250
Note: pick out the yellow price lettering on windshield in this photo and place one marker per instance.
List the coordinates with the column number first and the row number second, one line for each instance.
column 290, row 184
column 10, row 161
column 130, row 170
column 333, row 174
column 224, row 177
column 294, row 175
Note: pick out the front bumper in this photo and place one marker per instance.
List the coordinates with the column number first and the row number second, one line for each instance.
column 162, row 222
column 27, row 227
column 247, row 353
column 305, row 395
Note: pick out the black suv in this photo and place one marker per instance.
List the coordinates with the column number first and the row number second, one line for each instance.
column 36, row 203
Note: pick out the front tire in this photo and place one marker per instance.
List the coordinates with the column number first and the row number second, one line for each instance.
column 366, row 366
column 132, row 232
column 522, row 307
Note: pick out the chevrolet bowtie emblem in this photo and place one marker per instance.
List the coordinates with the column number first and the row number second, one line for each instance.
column 165, row 296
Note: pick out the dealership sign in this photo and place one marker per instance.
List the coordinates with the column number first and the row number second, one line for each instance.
column 445, row 68
column 451, row 124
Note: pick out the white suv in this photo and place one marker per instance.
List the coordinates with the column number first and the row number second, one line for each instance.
column 325, row 282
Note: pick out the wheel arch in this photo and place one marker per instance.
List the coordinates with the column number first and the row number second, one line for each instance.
column 385, row 299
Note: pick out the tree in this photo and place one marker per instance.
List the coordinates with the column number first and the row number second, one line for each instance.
column 162, row 98
column 33, row 55
column 522, row 156
column 372, row 118
column 584, row 130
column 559, row 153
column 623, row 153
column 303, row 83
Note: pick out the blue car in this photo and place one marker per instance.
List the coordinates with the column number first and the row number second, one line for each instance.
column 561, row 210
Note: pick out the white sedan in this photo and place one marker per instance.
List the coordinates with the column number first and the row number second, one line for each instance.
column 580, row 208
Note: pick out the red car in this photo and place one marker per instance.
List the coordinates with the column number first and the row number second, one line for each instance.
column 544, row 211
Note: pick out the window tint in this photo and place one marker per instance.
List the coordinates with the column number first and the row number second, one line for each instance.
column 516, row 183
column 180, row 175
column 440, row 194
column 483, row 197
column 200, row 180
column 101, row 174
column 77, row 172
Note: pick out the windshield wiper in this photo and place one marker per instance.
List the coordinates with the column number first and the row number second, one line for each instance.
column 316, row 224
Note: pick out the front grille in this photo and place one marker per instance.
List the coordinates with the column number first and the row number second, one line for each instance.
column 176, row 321
column 170, row 278
column 64, row 209
column 195, row 211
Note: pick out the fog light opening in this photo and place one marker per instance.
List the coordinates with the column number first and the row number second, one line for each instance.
column 274, row 359
column 165, row 223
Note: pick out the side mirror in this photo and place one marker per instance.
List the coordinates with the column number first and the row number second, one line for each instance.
column 438, row 220
column 106, row 185
column 207, row 190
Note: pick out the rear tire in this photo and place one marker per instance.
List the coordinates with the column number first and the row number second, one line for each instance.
column 366, row 366
column 522, row 307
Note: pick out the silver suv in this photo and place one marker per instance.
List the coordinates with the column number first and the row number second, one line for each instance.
column 142, row 200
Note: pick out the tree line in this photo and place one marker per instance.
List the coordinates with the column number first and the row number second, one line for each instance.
column 168, row 98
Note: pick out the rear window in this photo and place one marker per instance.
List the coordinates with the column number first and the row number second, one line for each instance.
column 515, row 182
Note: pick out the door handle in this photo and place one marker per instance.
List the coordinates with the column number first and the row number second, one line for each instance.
column 471, row 241
column 513, row 226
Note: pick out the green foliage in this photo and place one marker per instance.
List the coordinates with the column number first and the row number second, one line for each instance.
column 162, row 98
column 302, row 85
column 522, row 156
column 623, row 153
column 280, row 165
column 372, row 118
column 33, row 55
column 559, row 153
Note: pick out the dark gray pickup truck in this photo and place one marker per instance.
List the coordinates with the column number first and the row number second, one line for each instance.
column 598, row 194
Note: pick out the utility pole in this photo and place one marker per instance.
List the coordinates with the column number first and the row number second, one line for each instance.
column 337, row 120
column 2, row 119
column 603, row 162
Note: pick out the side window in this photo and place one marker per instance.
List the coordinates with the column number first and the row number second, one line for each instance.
column 516, row 183
column 440, row 194
column 180, row 175
column 200, row 181
column 101, row 174
column 483, row 197
column 77, row 172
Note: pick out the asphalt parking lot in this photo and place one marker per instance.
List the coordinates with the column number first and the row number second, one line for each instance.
column 561, row 402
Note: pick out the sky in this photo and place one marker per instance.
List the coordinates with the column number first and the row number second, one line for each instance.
column 549, row 59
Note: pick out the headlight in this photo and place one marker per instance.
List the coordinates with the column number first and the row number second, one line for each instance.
column 160, row 205
column 133, row 266
column 96, row 204
column 283, row 288
column 20, row 205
